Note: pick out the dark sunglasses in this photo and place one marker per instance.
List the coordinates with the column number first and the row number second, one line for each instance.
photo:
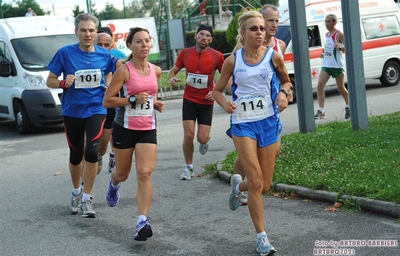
column 255, row 28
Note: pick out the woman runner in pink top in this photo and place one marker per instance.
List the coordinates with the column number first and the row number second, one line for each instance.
column 134, row 126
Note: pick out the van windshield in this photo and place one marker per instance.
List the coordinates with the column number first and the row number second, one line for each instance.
column 283, row 33
column 35, row 53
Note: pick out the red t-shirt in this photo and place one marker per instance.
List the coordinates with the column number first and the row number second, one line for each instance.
column 198, row 65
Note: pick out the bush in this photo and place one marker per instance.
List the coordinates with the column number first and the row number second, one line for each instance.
column 219, row 41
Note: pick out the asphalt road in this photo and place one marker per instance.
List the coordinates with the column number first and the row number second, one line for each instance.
column 188, row 217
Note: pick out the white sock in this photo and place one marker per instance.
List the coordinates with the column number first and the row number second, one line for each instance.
column 85, row 197
column 237, row 190
column 115, row 186
column 76, row 191
column 190, row 166
column 261, row 234
column 141, row 218
column 322, row 109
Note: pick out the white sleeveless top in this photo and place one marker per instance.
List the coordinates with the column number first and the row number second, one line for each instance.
column 254, row 88
column 333, row 58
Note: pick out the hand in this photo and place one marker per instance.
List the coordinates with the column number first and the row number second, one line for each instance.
column 142, row 97
column 281, row 101
column 174, row 80
column 69, row 80
column 209, row 96
column 159, row 106
column 230, row 107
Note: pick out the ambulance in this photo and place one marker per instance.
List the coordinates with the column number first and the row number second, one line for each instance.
column 27, row 45
column 380, row 37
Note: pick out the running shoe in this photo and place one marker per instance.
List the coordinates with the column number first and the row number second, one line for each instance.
column 112, row 196
column 143, row 230
column 203, row 148
column 264, row 247
column 234, row 198
column 187, row 173
column 87, row 209
column 320, row 114
column 99, row 165
column 243, row 198
column 76, row 202
column 111, row 163
column 347, row 113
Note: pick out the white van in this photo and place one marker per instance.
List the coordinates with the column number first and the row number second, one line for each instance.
column 27, row 45
column 380, row 36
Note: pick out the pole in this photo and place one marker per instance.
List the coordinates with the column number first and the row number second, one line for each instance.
column 123, row 3
column 170, row 18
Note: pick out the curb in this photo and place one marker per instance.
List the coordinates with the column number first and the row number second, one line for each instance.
column 372, row 205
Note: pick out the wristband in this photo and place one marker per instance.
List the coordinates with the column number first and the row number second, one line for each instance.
column 62, row 85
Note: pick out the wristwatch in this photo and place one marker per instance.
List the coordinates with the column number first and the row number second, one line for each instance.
column 284, row 91
column 132, row 100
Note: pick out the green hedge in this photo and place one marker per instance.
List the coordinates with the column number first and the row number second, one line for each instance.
column 219, row 42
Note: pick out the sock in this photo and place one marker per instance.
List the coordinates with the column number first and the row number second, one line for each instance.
column 322, row 109
column 85, row 197
column 261, row 234
column 111, row 154
column 237, row 190
column 115, row 186
column 76, row 191
column 190, row 166
column 347, row 106
column 141, row 218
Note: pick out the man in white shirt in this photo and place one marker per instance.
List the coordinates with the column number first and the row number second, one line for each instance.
column 30, row 13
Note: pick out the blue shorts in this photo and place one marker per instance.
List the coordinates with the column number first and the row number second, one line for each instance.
column 265, row 132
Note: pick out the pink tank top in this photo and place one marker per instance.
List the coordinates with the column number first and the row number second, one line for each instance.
column 142, row 117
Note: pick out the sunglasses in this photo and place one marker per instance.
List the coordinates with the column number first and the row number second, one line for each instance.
column 255, row 28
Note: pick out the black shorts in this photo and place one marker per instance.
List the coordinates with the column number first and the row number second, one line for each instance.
column 109, row 118
column 192, row 111
column 123, row 138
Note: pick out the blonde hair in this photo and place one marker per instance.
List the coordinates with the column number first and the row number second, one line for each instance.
column 242, row 23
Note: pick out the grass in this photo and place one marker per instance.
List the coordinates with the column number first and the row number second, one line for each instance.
column 337, row 158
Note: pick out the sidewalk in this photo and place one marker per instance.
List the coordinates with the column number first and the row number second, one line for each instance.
column 377, row 206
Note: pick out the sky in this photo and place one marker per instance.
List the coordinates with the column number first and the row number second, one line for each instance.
column 64, row 7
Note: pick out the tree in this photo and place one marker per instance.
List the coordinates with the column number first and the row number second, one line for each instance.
column 10, row 11
column 110, row 13
column 76, row 11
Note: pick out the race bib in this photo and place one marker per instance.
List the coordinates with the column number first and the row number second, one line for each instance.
column 88, row 78
column 145, row 109
column 197, row 81
column 252, row 107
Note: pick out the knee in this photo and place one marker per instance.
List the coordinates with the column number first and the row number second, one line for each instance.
column 255, row 185
column 91, row 156
column 188, row 136
column 266, row 187
column 75, row 158
column 144, row 175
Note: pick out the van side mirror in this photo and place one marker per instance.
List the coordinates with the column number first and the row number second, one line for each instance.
column 6, row 68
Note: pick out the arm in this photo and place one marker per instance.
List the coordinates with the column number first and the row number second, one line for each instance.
column 172, row 75
column 107, row 79
column 158, row 105
column 118, row 79
column 284, row 80
column 53, row 82
column 226, row 72
column 282, row 45
column 339, row 44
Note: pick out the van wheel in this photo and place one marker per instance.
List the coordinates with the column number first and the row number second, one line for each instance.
column 24, row 125
column 294, row 91
column 390, row 74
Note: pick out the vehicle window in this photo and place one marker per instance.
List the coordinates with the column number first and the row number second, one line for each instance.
column 313, row 36
column 5, row 55
column 381, row 27
column 284, row 33
column 35, row 53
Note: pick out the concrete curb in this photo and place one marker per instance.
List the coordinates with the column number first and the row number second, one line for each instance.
column 377, row 206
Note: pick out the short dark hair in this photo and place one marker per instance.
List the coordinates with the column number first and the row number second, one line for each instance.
column 106, row 30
